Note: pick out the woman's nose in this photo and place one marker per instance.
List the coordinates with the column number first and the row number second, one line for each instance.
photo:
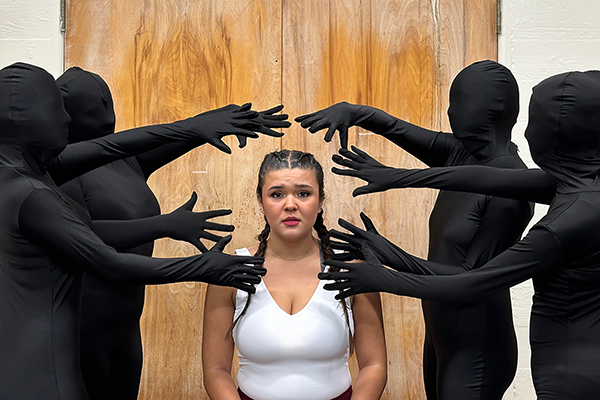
column 290, row 203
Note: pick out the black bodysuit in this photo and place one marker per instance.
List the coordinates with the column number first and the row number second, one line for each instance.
column 111, row 348
column 45, row 247
column 470, row 350
column 560, row 252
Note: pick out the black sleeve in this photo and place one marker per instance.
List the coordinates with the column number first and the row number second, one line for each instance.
column 501, row 226
column 121, row 234
column 533, row 185
column 48, row 221
column 540, row 250
column 157, row 158
column 422, row 143
column 79, row 158
column 126, row 234
column 430, row 147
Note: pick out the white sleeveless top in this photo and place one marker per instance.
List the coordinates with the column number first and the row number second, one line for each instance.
column 292, row 357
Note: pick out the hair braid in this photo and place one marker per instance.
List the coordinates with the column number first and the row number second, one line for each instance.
column 260, row 252
column 323, row 233
column 327, row 252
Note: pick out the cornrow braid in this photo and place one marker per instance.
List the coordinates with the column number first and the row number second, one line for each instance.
column 262, row 240
column 323, row 233
column 260, row 252
column 327, row 252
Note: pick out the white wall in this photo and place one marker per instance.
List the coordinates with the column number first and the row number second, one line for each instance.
column 30, row 32
column 539, row 38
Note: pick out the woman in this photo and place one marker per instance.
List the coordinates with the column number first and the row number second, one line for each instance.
column 560, row 252
column 293, row 338
column 470, row 350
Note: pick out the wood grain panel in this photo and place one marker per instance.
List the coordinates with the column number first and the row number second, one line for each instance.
column 229, row 52
column 402, row 82
column 170, row 59
column 321, row 68
column 467, row 34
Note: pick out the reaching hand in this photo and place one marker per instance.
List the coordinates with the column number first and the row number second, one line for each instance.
column 184, row 224
column 365, row 167
column 213, row 125
column 268, row 120
column 365, row 277
column 240, row 272
column 349, row 252
column 338, row 117
column 342, row 116
column 387, row 252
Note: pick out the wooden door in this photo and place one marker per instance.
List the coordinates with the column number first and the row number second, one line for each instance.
column 170, row 59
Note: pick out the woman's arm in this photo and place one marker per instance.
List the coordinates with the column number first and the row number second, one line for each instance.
column 369, row 344
column 217, row 344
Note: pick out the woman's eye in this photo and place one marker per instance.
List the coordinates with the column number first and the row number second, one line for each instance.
column 304, row 194
column 276, row 195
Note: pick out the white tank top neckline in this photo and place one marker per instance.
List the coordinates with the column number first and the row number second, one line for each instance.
column 292, row 356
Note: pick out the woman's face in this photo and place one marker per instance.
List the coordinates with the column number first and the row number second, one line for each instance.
column 290, row 201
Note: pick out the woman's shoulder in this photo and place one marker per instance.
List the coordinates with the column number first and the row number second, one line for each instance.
column 250, row 249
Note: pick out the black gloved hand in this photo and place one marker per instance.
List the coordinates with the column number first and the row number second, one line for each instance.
column 387, row 252
column 365, row 277
column 269, row 119
column 184, row 224
column 213, row 125
column 379, row 177
column 341, row 116
column 223, row 269
column 349, row 252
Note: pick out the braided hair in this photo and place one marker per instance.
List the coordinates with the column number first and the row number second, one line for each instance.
column 288, row 159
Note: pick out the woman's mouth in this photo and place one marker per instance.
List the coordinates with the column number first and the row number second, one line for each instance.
column 291, row 221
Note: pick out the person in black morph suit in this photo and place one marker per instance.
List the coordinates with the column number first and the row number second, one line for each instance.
column 45, row 245
column 111, row 346
column 560, row 252
column 470, row 350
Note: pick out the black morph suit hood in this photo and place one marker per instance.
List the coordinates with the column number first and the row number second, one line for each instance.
column 88, row 101
column 484, row 104
column 32, row 123
column 564, row 129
